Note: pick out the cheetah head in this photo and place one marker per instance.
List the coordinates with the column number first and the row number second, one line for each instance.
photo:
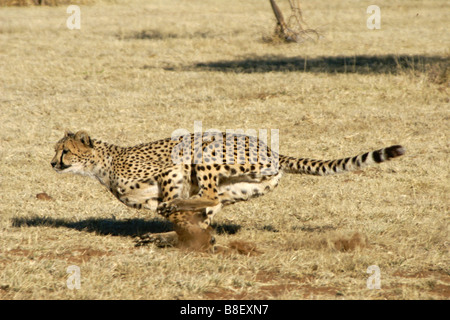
column 73, row 153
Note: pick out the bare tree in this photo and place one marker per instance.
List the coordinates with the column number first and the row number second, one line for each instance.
column 293, row 30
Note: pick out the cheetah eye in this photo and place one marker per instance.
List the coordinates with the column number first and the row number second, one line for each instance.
column 65, row 151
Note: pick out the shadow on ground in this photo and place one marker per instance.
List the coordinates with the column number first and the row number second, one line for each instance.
column 363, row 64
column 104, row 226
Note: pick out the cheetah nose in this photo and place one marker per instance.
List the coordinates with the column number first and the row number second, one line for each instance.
column 53, row 164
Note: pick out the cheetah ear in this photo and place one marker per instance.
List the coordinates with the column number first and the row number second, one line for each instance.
column 84, row 138
column 67, row 133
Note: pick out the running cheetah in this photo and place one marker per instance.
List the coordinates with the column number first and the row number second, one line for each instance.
column 188, row 180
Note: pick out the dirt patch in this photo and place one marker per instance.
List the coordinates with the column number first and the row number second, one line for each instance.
column 270, row 285
column 44, row 196
column 441, row 290
column 83, row 255
column 438, row 275
column 225, row 294
column 262, row 293
column 311, row 292
column 432, row 278
column 271, row 291
column 21, row 252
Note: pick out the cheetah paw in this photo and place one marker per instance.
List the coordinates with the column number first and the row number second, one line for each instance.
column 162, row 240
column 166, row 208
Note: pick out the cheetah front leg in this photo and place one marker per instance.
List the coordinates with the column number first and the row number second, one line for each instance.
column 194, row 204
column 162, row 240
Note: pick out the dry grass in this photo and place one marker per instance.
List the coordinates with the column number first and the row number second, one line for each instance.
column 138, row 70
column 25, row 3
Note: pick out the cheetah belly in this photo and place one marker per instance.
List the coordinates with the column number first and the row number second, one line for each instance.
column 242, row 188
column 145, row 197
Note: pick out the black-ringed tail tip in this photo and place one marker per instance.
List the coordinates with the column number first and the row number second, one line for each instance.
column 327, row 167
column 390, row 152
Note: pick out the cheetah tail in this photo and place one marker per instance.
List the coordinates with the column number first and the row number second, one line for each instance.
column 327, row 167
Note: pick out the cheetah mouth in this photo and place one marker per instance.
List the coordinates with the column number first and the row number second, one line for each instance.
column 61, row 167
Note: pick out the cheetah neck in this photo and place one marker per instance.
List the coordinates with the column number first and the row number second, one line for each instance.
column 102, row 165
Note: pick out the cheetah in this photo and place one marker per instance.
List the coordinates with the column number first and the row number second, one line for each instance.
column 188, row 180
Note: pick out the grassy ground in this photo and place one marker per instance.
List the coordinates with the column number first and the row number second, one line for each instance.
column 138, row 70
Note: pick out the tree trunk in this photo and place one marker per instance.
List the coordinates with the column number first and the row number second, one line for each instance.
column 281, row 24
